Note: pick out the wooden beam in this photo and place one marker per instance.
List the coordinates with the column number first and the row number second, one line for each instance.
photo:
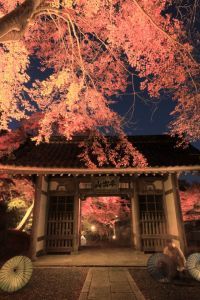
column 170, row 191
column 99, row 171
column 135, row 216
column 36, row 212
column 41, row 238
column 180, row 224
column 76, row 224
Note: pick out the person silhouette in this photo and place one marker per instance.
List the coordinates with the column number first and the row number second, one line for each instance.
column 176, row 256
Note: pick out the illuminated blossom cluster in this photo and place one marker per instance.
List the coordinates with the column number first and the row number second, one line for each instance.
column 103, row 212
column 12, row 188
column 190, row 203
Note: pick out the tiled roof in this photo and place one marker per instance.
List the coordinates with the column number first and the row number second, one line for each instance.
column 160, row 151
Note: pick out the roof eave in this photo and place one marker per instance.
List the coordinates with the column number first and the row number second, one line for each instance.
column 73, row 171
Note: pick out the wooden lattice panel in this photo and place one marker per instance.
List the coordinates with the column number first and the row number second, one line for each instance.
column 152, row 222
column 60, row 224
column 153, row 231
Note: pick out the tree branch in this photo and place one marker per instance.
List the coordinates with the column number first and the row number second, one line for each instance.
column 163, row 31
column 14, row 24
column 26, row 218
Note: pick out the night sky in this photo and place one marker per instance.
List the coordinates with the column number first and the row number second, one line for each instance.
column 149, row 118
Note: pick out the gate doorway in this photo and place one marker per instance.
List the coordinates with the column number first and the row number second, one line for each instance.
column 60, row 224
column 105, row 222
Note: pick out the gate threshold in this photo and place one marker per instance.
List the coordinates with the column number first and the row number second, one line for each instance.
column 99, row 257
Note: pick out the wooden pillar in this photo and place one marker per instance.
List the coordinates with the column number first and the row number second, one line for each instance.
column 36, row 213
column 135, row 213
column 76, row 223
column 180, row 224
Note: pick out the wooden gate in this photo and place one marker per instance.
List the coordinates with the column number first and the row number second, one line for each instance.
column 60, row 224
column 152, row 222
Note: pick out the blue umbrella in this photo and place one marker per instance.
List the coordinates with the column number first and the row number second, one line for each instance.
column 161, row 267
column 193, row 265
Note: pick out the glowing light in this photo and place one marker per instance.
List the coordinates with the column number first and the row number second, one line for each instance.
column 93, row 228
column 114, row 237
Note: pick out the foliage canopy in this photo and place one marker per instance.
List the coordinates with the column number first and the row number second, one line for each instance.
column 87, row 51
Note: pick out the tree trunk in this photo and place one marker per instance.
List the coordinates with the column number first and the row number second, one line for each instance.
column 25, row 219
column 14, row 24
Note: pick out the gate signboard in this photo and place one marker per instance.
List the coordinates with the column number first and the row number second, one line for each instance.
column 106, row 183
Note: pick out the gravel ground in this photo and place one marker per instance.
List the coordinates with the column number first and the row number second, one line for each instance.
column 51, row 284
column 153, row 290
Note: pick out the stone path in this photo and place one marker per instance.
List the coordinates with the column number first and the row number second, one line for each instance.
column 110, row 283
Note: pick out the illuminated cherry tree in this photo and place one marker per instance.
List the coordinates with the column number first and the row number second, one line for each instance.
column 11, row 188
column 190, row 203
column 85, row 52
column 18, row 194
column 103, row 212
